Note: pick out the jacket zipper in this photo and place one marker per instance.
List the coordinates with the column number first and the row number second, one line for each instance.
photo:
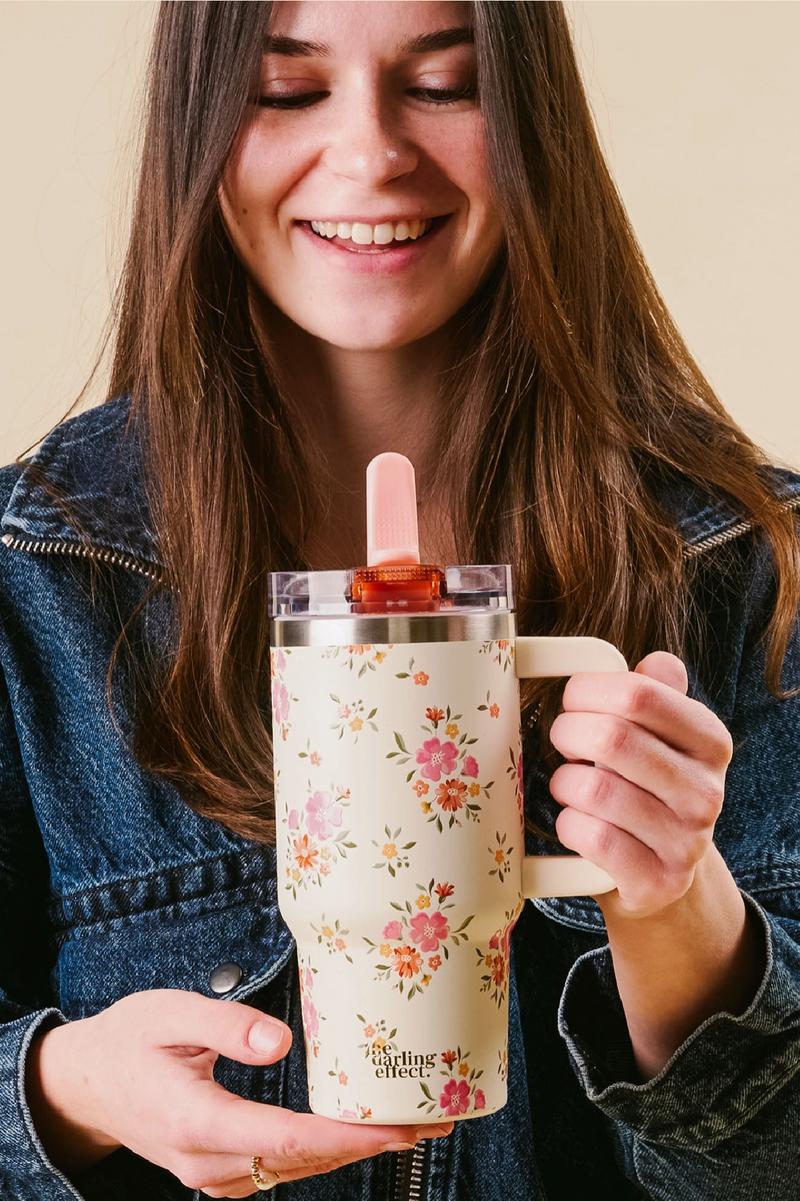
column 408, row 1178
column 79, row 550
column 734, row 531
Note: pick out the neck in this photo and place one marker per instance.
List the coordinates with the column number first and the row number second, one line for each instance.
column 353, row 405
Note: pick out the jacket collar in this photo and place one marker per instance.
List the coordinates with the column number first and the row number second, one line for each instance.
column 85, row 485
column 95, row 491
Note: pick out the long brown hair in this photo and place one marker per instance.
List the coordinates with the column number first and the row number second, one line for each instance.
column 572, row 387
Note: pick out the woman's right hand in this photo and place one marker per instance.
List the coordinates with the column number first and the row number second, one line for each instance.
column 140, row 1075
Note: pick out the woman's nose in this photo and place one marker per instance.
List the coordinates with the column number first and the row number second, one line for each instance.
column 367, row 145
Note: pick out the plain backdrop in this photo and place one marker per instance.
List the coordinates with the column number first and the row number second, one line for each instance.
column 696, row 102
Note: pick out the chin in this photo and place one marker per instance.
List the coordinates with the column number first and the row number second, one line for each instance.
column 372, row 333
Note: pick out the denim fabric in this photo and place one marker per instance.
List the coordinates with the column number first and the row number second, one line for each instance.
column 110, row 884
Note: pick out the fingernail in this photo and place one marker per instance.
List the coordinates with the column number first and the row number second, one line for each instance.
column 264, row 1037
column 433, row 1131
column 399, row 1147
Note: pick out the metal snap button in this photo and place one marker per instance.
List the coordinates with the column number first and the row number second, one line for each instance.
column 225, row 977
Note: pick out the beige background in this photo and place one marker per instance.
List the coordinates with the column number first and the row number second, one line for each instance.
column 697, row 103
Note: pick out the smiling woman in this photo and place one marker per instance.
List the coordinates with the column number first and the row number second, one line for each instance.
column 364, row 227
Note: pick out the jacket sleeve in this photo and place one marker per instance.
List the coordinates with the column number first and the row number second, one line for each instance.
column 26, row 1174
column 721, row 1118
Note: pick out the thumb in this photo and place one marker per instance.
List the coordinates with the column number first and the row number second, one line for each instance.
column 665, row 668
column 230, row 1028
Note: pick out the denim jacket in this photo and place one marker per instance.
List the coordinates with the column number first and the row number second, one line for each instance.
column 111, row 884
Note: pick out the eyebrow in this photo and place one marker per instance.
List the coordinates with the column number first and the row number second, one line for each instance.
column 425, row 43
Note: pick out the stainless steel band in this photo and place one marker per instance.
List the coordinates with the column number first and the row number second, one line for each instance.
column 392, row 628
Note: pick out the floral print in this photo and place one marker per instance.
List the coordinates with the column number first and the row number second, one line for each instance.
column 501, row 651
column 332, row 938
column 280, row 695
column 378, row 1038
column 501, row 855
column 496, row 959
column 351, row 717
column 418, row 935
column 311, row 1018
column 360, row 658
column 391, row 855
column 460, row 1092
column 313, row 845
column 449, row 765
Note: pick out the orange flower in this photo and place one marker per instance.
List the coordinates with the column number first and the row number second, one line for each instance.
column 425, row 806
column 434, row 714
column 498, row 969
column 451, row 730
column 340, row 944
column 366, row 1113
column 420, row 787
column 450, row 795
column 420, row 677
column 474, row 788
column 463, row 1068
column 502, row 644
column 316, row 759
column 379, row 656
column 499, row 855
column 435, row 962
column 285, row 733
column 343, row 1077
column 380, row 1043
column 494, row 710
column 305, row 852
column 369, row 1031
column 389, row 850
column 406, row 961
column 444, row 890
column 385, row 949
column 423, row 902
column 358, row 650
column 426, row 980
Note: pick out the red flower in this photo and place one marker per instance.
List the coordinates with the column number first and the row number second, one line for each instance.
column 449, row 1057
column 434, row 714
column 406, row 961
column 305, row 852
column 454, row 1098
column 444, row 890
column 450, row 795
column 498, row 969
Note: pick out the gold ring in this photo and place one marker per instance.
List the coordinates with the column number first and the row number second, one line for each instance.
column 263, row 1186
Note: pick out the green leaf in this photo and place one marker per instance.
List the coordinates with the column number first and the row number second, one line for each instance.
column 426, row 1091
column 399, row 740
column 401, row 675
column 335, row 698
column 372, row 713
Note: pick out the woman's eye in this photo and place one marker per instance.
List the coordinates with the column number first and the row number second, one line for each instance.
column 444, row 95
column 290, row 99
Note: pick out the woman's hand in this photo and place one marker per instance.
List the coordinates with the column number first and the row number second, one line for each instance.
column 683, row 944
column 140, row 1074
column 647, row 815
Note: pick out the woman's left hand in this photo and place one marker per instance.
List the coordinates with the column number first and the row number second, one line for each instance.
column 647, row 814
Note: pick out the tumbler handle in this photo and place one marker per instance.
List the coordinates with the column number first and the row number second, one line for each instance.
column 564, row 875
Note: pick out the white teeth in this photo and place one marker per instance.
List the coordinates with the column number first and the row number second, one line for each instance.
column 382, row 235
column 364, row 235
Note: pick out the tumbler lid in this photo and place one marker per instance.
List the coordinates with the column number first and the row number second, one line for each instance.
column 462, row 588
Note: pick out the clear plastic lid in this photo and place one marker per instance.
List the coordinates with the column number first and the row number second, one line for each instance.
column 412, row 589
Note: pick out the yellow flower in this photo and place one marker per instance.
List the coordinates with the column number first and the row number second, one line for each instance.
column 499, row 856
column 488, row 961
column 474, row 789
column 426, row 980
column 423, row 902
column 356, row 724
column 385, row 949
column 380, row 1043
column 452, row 730
column 325, row 852
column 389, row 850
column 379, row 656
column 463, row 1068
column 295, row 873
column 326, row 930
column 425, row 806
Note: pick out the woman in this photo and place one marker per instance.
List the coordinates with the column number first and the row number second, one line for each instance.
column 366, row 227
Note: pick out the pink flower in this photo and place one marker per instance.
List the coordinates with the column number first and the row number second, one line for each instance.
column 316, row 758
column 470, row 766
column 310, row 1017
column 278, row 660
column 280, row 700
column 479, row 1099
column 428, row 930
column 344, row 711
column 349, row 1113
column 454, row 1098
column 437, row 757
column 323, row 815
column 309, row 977
column 393, row 930
column 294, row 819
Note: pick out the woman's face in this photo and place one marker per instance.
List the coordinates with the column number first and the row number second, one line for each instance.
column 366, row 132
